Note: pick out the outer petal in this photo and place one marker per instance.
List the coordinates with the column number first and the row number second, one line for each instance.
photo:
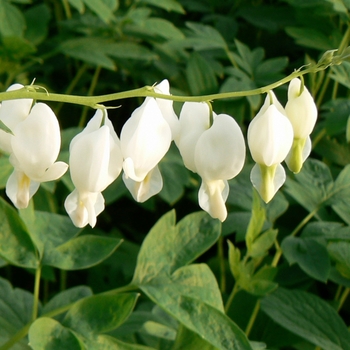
column 20, row 189
column 194, row 120
column 267, row 180
column 90, row 161
column 220, row 150
column 166, row 107
column 145, row 138
column 270, row 137
column 269, row 100
column 151, row 185
column 212, row 196
column 36, row 141
column 83, row 208
column 301, row 110
column 12, row 112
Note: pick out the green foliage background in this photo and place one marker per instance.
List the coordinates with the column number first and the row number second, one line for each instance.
column 161, row 275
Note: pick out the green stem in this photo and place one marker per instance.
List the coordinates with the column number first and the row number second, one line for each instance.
column 147, row 91
column 307, row 218
column 343, row 298
column 252, row 318
column 230, row 298
column 221, row 257
column 36, row 293
column 90, row 93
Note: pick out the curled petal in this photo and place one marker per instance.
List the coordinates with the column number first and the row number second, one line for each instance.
column 83, row 208
column 301, row 109
column 194, row 120
column 20, row 189
column 145, row 138
column 212, row 196
column 12, row 112
column 267, row 180
column 220, row 150
column 143, row 190
column 270, row 137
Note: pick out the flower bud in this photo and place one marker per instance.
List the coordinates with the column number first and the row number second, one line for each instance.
column 302, row 112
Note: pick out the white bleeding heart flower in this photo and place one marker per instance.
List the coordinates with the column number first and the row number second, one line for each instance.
column 35, row 145
column 302, row 113
column 216, row 153
column 95, row 162
column 270, row 138
column 12, row 112
column 145, row 138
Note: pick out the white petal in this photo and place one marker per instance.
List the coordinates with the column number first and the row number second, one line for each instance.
column 166, row 107
column 54, row 172
column 20, row 189
column 36, row 141
column 143, row 190
column 194, row 120
column 267, row 187
column 90, row 158
column 220, row 150
column 270, row 137
column 12, row 112
column 83, row 208
column 301, row 110
column 212, row 196
column 145, row 138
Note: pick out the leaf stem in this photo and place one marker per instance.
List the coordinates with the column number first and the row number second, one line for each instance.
column 221, row 257
column 307, row 218
column 230, row 298
column 343, row 298
column 252, row 318
column 36, row 293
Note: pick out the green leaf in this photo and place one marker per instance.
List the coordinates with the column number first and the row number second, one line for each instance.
column 263, row 243
column 312, row 186
column 195, row 315
column 309, row 317
column 48, row 334
column 234, row 258
column 128, row 50
column 15, row 244
column 100, row 313
column 12, row 22
column 101, row 9
column 47, row 230
column 106, row 342
column 77, row 4
column 67, row 297
column 200, row 75
column 313, row 38
column 310, row 255
column 340, row 253
column 163, row 28
column 203, row 37
column 168, row 247
column 37, row 19
column 159, row 330
column 168, row 5
column 81, row 252
column 189, row 340
column 90, row 50
column 15, row 312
